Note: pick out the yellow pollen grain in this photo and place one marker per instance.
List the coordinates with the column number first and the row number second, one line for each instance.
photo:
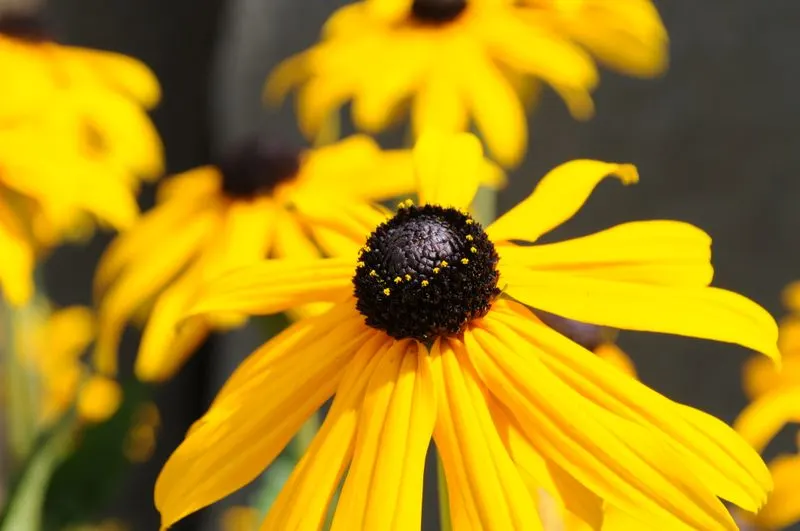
column 360, row 264
column 366, row 249
column 465, row 261
column 397, row 280
column 470, row 221
column 408, row 203
column 407, row 277
column 387, row 291
column 424, row 283
column 444, row 263
column 436, row 270
column 373, row 273
column 469, row 237
column 473, row 250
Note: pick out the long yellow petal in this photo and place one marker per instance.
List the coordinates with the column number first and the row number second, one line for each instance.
column 573, row 499
column 653, row 252
column 136, row 285
column 706, row 313
column 474, row 458
column 557, row 197
column 259, row 409
column 303, row 502
column 495, row 106
column 763, row 419
column 783, row 508
column 729, row 466
column 383, row 489
column 448, row 169
column 621, row 461
column 439, row 104
column 273, row 286
column 16, row 266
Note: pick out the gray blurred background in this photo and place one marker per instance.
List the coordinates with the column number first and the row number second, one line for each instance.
column 716, row 142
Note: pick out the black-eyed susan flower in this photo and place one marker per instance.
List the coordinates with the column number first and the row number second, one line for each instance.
column 431, row 335
column 457, row 60
column 98, row 99
column 260, row 201
column 52, row 350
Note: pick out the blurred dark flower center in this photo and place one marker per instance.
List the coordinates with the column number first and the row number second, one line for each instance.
column 256, row 167
column 437, row 11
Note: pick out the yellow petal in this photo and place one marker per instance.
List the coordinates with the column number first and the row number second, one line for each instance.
column 16, row 267
column 124, row 73
column 706, row 313
column 353, row 220
column 439, row 105
column 615, row 356
column 448, row 169
column 621, row 461
column 760, row 421
column 557, row 197
column 383, row 489
column 495, row 107
column 389, row 10
column 98, row 399
column 137, row 285
column 707, row 446
column 303, row 502
column 783, row 508
column 573, row 500
column 69, row 332
column 475, row 461
column 165, row 346
column 653, row 252
column 318, row 99
column 260, row 407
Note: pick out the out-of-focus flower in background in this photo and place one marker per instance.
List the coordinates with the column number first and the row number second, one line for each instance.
column 462, row 60
column 775, row 395
column 240, row 518
column 52, row 346
column 259, row 201
column 420, row 342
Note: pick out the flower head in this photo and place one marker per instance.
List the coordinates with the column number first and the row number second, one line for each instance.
column 457, row 60
column 514, row 407
column 259, row 201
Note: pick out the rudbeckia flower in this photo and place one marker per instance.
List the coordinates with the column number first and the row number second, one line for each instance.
column 99, row 98
column 457, row 60
column 431, row 335
column 53, row 351
column 260, row 201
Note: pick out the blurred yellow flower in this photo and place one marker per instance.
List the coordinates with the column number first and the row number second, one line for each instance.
column 140, row 442
column 99, row 98
column 261, row 201
column 431, row 335
column 457, row 60
column 53, row 347
column 240, row 518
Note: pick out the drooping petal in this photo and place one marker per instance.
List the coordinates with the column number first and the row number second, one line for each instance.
column 476, row 463
column 439, row 104
column 16, row 266
column 706, row 313
column 448, row 169
column 258, row 410
column 495, row 106
column 621, row 461
column 557, row 197
column 654, row 252
column 763, row 419
column 136, row 285
column 708, row 447
column 573, row 499
column 273, row 286
column 383, row 489
column 303, row 501
column 783, row 508
column 354, row 219
column 126, row 74
column 165, row 346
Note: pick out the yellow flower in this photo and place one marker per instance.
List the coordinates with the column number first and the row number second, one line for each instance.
column 259, row 202
column 98, row 97
column 240, row 518
column 53, row 349
column 461, row 59
column 455, row 353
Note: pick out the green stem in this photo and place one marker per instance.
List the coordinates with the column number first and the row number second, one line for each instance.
column 23, row 508
column 444, row 501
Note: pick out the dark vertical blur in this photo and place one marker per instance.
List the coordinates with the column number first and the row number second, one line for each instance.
column 715, row 141
column 177, row 40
